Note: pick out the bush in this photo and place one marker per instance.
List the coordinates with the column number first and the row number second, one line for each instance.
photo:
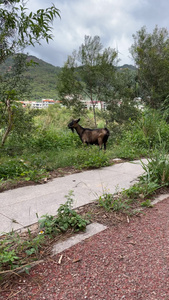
column 142, row 136
column 19, row 168
column 157, row 169
column 109, row 202
column 66, row 218
column 58, row 140
column 92, row 157
column 13, row 168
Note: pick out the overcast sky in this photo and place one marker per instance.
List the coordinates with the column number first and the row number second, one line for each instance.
column 115, row 21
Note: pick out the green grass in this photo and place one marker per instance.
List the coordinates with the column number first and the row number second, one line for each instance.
column 52, row 145
column 19, row 251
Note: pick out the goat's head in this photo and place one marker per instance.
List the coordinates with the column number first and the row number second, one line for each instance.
column 73, row 124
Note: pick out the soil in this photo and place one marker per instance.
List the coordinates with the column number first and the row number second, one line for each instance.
column 106, row 266
column 129, row 260
column 95, row 213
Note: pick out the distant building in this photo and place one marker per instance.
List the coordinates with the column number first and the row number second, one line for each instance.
column 39, row 105
column 98, row 104
column 47, row 102
column 44, row 104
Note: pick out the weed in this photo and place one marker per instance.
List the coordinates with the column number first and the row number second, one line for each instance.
column 157, row 168
column 16, row 251
column 140, row 190
column 95, row 159
column 66, row 218
column 8, row 258
column 105, row 201
column 146, row 203
column 8, row 254
column 49, row 224
column 18, row 168
column 109, row 202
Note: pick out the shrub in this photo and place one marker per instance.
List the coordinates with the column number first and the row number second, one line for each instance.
column 55, row 139
column 157, row 168
column 92, row 157
column 109, row 202
column 66, row 218
column 142, row 136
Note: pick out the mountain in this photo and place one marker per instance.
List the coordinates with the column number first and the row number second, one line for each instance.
column 126, row 66
column 42, row 77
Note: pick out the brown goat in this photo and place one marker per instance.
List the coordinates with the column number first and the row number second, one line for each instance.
column 90, row 136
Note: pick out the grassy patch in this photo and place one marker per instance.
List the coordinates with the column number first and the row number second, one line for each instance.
column 19, row 250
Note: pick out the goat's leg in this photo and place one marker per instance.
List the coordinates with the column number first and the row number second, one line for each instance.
column 100, row 142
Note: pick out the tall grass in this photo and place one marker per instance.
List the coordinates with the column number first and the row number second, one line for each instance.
column 52, row 145
column 140, row 138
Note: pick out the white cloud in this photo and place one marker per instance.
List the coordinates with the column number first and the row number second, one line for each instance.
column 114, row 21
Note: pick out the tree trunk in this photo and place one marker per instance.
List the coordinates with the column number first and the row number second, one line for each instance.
column 9, row 125
column 94, row 114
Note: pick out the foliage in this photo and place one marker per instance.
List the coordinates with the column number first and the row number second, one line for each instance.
column 151, row 55
column 19, row 29
column 51, row 145
column 146, row 203
column 141, row 190
column 156, row 175
column 55, row 139
column 66, row 218
column 111, row 202
column 121, row 104
column 90, row 158
column 87, row 74
column 40, row 75
column 12, row 115
column 18, row 168
column 15, row 250
column 140, row 137
column 157, row 169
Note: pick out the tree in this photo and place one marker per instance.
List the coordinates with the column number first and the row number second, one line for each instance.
column 122, row 105
column 69, row 85
column 13, row 86
column 88, row 74
column 19, row 29
column 151, row 55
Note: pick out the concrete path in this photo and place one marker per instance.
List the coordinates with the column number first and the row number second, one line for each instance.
column 20, row 207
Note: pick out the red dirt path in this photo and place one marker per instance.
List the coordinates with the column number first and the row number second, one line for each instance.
column 128, row 261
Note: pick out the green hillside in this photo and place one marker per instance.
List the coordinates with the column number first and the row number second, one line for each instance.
column 41, row 77
column 126, row 66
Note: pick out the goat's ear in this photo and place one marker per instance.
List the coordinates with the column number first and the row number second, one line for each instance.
column 78, row 120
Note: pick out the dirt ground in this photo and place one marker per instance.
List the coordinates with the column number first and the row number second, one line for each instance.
column 91, row 211
column 13, row 284
column 129, row 260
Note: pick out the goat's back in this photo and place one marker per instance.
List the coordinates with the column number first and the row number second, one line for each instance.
column 92, row 136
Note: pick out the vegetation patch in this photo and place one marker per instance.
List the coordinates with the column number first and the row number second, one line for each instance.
column 20, row 250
